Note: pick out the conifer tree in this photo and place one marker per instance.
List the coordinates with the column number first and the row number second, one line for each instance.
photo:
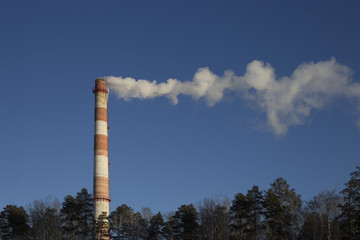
column 121, row 222
column 85, row 212
column 101, row 227
column 246, row 212
column 282, row 206
column 14, row 223
column 350, row 217
column 156, row 227
column 77, row 216
column 69, row 217
column 239, row 215
column 186, row 224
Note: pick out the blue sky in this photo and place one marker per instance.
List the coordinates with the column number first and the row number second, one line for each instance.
column 163, row 155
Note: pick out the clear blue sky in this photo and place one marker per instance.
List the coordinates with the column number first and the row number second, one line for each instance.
column 163, row 155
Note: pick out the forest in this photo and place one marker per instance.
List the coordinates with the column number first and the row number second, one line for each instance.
column 275, row 213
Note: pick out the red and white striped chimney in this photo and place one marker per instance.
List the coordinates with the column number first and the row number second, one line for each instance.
column 101, row 150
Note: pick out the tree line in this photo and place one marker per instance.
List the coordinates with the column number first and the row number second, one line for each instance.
column 276, row 213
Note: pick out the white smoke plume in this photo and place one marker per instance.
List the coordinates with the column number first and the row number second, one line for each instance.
column 287, row 101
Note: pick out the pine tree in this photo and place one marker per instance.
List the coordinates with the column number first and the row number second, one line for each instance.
column 155, row 231
column 77, row 216
column 85, row 210
column 69, row 217
column 121, row 222
column 14, row 223
column 246, row 212
column 101, row 227
column 168, row 230
column 255, row 201
column 282, row 206
column 350, row 217
column 239, row 215
column 186, row 224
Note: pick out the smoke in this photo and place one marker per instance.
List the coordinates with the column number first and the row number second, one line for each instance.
column 286, row 101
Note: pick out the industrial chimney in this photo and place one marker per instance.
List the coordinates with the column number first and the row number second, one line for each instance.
column 101, row 151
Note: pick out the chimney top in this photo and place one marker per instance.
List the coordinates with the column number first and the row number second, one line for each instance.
column 100, row 86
